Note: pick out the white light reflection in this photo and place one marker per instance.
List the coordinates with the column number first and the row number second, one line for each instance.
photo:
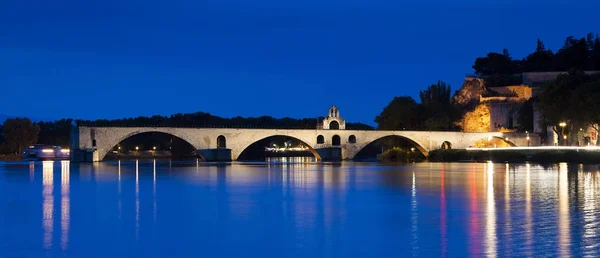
column 119, row 189
column 414, row 218
column 491, row 213
column 137, row 201
column 65, row 204
column 507, row 225
column 590, row 228
column 48, row 202
column 31, row 171
column 154, row 191
column 528, row 218
column 564, row 234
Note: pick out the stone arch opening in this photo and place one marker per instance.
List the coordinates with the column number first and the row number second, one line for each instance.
column 336, row 141
column 221, row 142
column 381, row 144
column 153, row 144
column 493, row 142
column 320, row 139
column 276, row 146
column 334, row 125
column 446, row 145
column 352, row 139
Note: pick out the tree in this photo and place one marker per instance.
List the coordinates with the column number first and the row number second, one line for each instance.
column 400, row 114
column 525, row 117
column 585, row 99
column 19, row 133
column 438, row 93
column 540, row 60
column 496, row 64
column 556, row 100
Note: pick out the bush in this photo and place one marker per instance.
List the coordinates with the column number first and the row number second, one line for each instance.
column 401, row 155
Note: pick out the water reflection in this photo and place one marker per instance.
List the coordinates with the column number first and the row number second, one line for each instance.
column 303, row 209
column 48, row 202
column 528, row 217
column 491, row 212
column 137, row 200
column 65, row 204
column 563, row 217
column 414, row 217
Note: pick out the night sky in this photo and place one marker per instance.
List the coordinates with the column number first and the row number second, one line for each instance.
column 126, row 58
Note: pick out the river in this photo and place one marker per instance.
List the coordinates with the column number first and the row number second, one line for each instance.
column 297, row 209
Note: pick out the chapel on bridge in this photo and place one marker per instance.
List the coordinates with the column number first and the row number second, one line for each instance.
column 333, row 121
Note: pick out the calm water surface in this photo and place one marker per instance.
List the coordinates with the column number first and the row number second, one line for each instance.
column 190, row 209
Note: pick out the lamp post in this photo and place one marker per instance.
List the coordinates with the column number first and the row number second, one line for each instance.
column 562, row 126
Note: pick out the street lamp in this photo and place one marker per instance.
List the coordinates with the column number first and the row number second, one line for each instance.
column 154, row 148
column 562, row 126
column 137, row 148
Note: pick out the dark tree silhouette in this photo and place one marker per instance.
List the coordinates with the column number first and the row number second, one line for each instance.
column 19, row 133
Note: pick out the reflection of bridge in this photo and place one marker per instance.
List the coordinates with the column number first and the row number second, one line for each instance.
column 329, row 141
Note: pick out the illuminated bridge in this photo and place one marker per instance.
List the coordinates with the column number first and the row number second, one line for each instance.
column 329, row 141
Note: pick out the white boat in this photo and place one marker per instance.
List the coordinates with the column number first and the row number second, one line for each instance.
column 45, row 152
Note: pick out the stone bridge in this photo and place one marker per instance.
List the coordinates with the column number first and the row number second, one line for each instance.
column 93, row 143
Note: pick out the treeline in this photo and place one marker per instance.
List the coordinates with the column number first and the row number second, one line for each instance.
column 500, row 69
column 201, row 119
column 571, row 103
column 436, row 112
column 58, row 132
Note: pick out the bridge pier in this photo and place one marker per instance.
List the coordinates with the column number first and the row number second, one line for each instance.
column 84, row 155
column 219, row 154
column 330, row 153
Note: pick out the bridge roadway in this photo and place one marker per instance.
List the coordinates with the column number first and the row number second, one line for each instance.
column 93, row 143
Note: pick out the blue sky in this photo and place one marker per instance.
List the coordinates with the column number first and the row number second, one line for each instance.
column 112, row 59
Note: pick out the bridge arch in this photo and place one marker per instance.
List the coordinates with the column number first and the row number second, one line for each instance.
column 238, row 153
column 104, row 148
column 446, row 145
column 417, row 145
column 492, row 142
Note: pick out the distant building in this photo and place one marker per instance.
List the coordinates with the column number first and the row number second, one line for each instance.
column 492, row 109
column 497, row 108
column 333, row 121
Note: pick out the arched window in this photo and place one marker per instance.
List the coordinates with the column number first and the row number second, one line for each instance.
column 335, row 140
column 221, row 142
column 352, row 139
column 334, row 125
column 320, row 139
column 446, row 145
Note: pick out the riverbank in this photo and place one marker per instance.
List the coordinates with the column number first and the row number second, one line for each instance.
column 507, row 155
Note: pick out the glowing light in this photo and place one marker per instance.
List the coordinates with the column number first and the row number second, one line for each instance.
column 506, row 138
column 562, row 124
column 47, row 150
column 412, row 149
column 64, row 150
column 564, row 137
column 137, row 148
column 528, row 138
column 154, row 148
column 589, row 148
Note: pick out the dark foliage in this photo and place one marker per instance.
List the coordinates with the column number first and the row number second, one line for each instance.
column 500, row 69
